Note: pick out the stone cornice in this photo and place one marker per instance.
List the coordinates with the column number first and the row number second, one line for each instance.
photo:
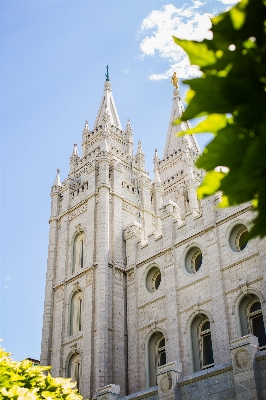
column 71, row 209
column 240, row 260
column 233, row 215
column 74, row 277
column 193, row 282
column 150, row 259
column 152, row 301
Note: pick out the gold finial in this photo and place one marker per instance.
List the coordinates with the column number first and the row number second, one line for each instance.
column 174, row 80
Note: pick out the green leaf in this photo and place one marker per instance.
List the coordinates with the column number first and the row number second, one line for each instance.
column 212, row 123
column 238, row 17
column 210, row 184
column 233, row 82
column 198, row 52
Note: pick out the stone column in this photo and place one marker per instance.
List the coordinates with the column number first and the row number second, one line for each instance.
column 133, row 234
column 102, row 366
column 168, row 376
column 243, row 353
column 109, row 392
column 51, row 265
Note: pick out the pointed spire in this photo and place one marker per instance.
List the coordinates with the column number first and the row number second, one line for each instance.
column 86, row 125
column 57, row 178
column 128, row 127
column 172, row 141
column 139, row 150
column 75, row 151
column 156, row 160
column 107, row 105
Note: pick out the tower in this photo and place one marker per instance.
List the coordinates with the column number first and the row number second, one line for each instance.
column 143, row 277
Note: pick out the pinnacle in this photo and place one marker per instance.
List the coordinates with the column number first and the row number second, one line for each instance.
column 139, row 150
column 75, row 151
column 57, row 178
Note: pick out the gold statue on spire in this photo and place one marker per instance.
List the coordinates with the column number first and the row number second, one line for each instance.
column 174, row 80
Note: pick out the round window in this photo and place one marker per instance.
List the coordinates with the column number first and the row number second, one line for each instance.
column 153, row 279
column 238, row 237
column 193, row 260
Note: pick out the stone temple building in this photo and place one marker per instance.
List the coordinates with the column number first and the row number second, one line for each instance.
column 151, row 293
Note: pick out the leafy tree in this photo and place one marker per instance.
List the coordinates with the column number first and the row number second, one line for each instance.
column 231, row 95
column 24, row 381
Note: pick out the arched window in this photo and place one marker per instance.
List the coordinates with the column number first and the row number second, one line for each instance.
column 157, row 356
column 201, row 343
column 251, row 318
column 78, row 252
column 76, row 313
column 74, row 369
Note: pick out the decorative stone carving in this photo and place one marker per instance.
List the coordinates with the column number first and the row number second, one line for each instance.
column 242, row 358
column 131, row 276
column 78, row 211
column 118, row 275
column 166, row 382
column 89, row 278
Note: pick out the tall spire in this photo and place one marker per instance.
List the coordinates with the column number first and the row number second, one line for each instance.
column 172, row 141
column 107, row 106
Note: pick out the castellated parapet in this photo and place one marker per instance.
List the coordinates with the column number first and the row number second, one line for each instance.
column 151, row 293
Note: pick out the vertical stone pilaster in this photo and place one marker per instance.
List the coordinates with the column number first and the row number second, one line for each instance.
column 133, row 234
column 118, row 304
column 168, row 376
column 46, row 346
column 158, row 199
column 243, row 354
column 101, row 346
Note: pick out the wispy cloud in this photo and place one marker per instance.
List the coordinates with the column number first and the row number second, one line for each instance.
column 188, row 22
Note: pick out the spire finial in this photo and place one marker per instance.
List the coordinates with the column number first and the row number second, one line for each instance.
column 174, row 80
column 75, row 150
column 156, row 160
column 107, row 73
column 57, row 178
column 139, row 150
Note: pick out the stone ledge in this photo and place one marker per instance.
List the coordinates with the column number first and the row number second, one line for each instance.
column 198, row 376
column 261, row 355
column 142, row 394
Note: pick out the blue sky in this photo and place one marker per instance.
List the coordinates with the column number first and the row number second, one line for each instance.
column 53, row 58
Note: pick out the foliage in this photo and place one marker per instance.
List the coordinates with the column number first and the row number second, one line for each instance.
column 24, row 381
column 231, row 94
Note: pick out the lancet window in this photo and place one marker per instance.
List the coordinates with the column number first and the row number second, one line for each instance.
column 74, row 369
column 78, row 252
column 76, row 313
column 251, row 318
column 157, row 356
column 201, row 339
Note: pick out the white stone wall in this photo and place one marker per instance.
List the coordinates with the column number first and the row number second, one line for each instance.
column 115, row 204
